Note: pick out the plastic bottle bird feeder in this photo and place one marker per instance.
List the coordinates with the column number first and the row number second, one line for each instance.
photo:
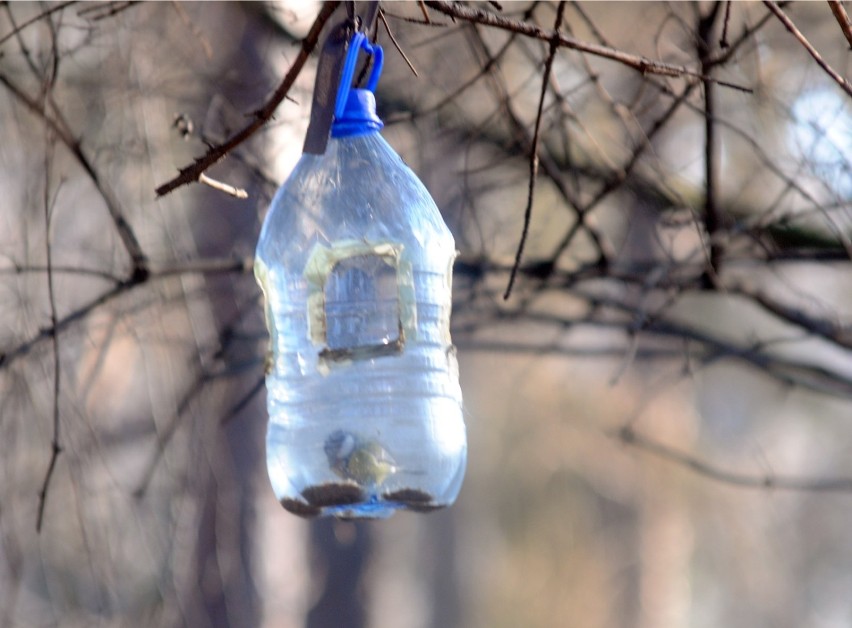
column 355, row 263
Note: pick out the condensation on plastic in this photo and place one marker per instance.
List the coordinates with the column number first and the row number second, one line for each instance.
column 365, row 411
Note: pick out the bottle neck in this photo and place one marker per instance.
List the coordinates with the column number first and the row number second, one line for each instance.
column 358, row 117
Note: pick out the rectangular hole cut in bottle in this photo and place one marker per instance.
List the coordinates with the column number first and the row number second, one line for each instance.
column 360, row 302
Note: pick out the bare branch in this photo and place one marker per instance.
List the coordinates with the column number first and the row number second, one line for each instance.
column 545, row 80
column 640, row 64
column 20, row 269
column 790, row 26
column 210, row 266
column 842, row 18
column 628, row 436
column 619, row 176
column 723, row 40
column 712, row 212
column 194, row 29
column 709, row 347
column 425, row 12
column 192, row 172
column 839, row 334
column 228, row 189
column 104, row 10
column 396, row 43
column 57, row 125
column 243, row 401
column 55, row 447
column 546, row 161
column 165, row 436
column 24, row 348
column 47, row 12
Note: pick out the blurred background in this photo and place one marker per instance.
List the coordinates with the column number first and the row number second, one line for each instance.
column 658, row 416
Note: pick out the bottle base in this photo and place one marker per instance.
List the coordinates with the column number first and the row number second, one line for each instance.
column 348, row 500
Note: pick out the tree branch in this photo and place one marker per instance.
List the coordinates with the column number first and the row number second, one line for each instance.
column 839, row 334
column 57, row 125
column 640, row 64
column 55, row 447
column 104, row 10
column 193, row 172
column 545, row 79
column 712, row 212
column 47, row 12
column 790, row 26
column 226, row 188
column 723, row 40
column 396, row 43
column 628, row 436
column 713, row 347
column 842, row 18
column 205, row 266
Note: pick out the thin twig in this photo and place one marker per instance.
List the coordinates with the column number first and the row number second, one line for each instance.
column 101, row 11
column 411, row 20
column 785, row 372
column 204, row 266
column 532, row 349
column 165, row 435
column 790, row 26
column 424, row 11
column 842, row 18
column 192, row 172
column 640, row 64
column 839, row 334
column 628, row 436
column 56, row 123
column 211, row 266
column 545, row 80
column 723, row 40
column 546, row 162
column 193, row 28
column 713, row 219
column 482, row 71
column 15, row 31
column 712, row 347
column 614, row 180
column 812, row 377
column 55, row 447
column 396, row 43
column 228, row 189
column 618, row 178
column 243, row 401
column 20, row 269
column 80, row 313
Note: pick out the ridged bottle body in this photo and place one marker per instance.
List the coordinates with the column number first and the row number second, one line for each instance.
column 365, row 413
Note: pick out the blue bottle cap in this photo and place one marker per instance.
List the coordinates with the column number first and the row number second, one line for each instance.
column 358, row 116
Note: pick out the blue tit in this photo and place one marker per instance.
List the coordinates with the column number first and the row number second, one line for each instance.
column 351, row 458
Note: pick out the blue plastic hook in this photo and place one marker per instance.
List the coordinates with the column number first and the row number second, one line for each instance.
column 332, row 90
column 359, row 42
column 355, row 109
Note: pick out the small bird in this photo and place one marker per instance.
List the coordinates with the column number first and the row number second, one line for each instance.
column 351, row 458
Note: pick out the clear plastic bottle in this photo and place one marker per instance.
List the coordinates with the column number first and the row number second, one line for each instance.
column 355, row 262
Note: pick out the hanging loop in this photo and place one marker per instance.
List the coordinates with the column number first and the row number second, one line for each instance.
column 359, row 42
column 327, row 88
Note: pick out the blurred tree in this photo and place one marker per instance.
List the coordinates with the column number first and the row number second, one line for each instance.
column 652, row 207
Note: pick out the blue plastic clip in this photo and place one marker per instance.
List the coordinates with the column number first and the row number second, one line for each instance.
column 328, row 86
column 355, row 109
